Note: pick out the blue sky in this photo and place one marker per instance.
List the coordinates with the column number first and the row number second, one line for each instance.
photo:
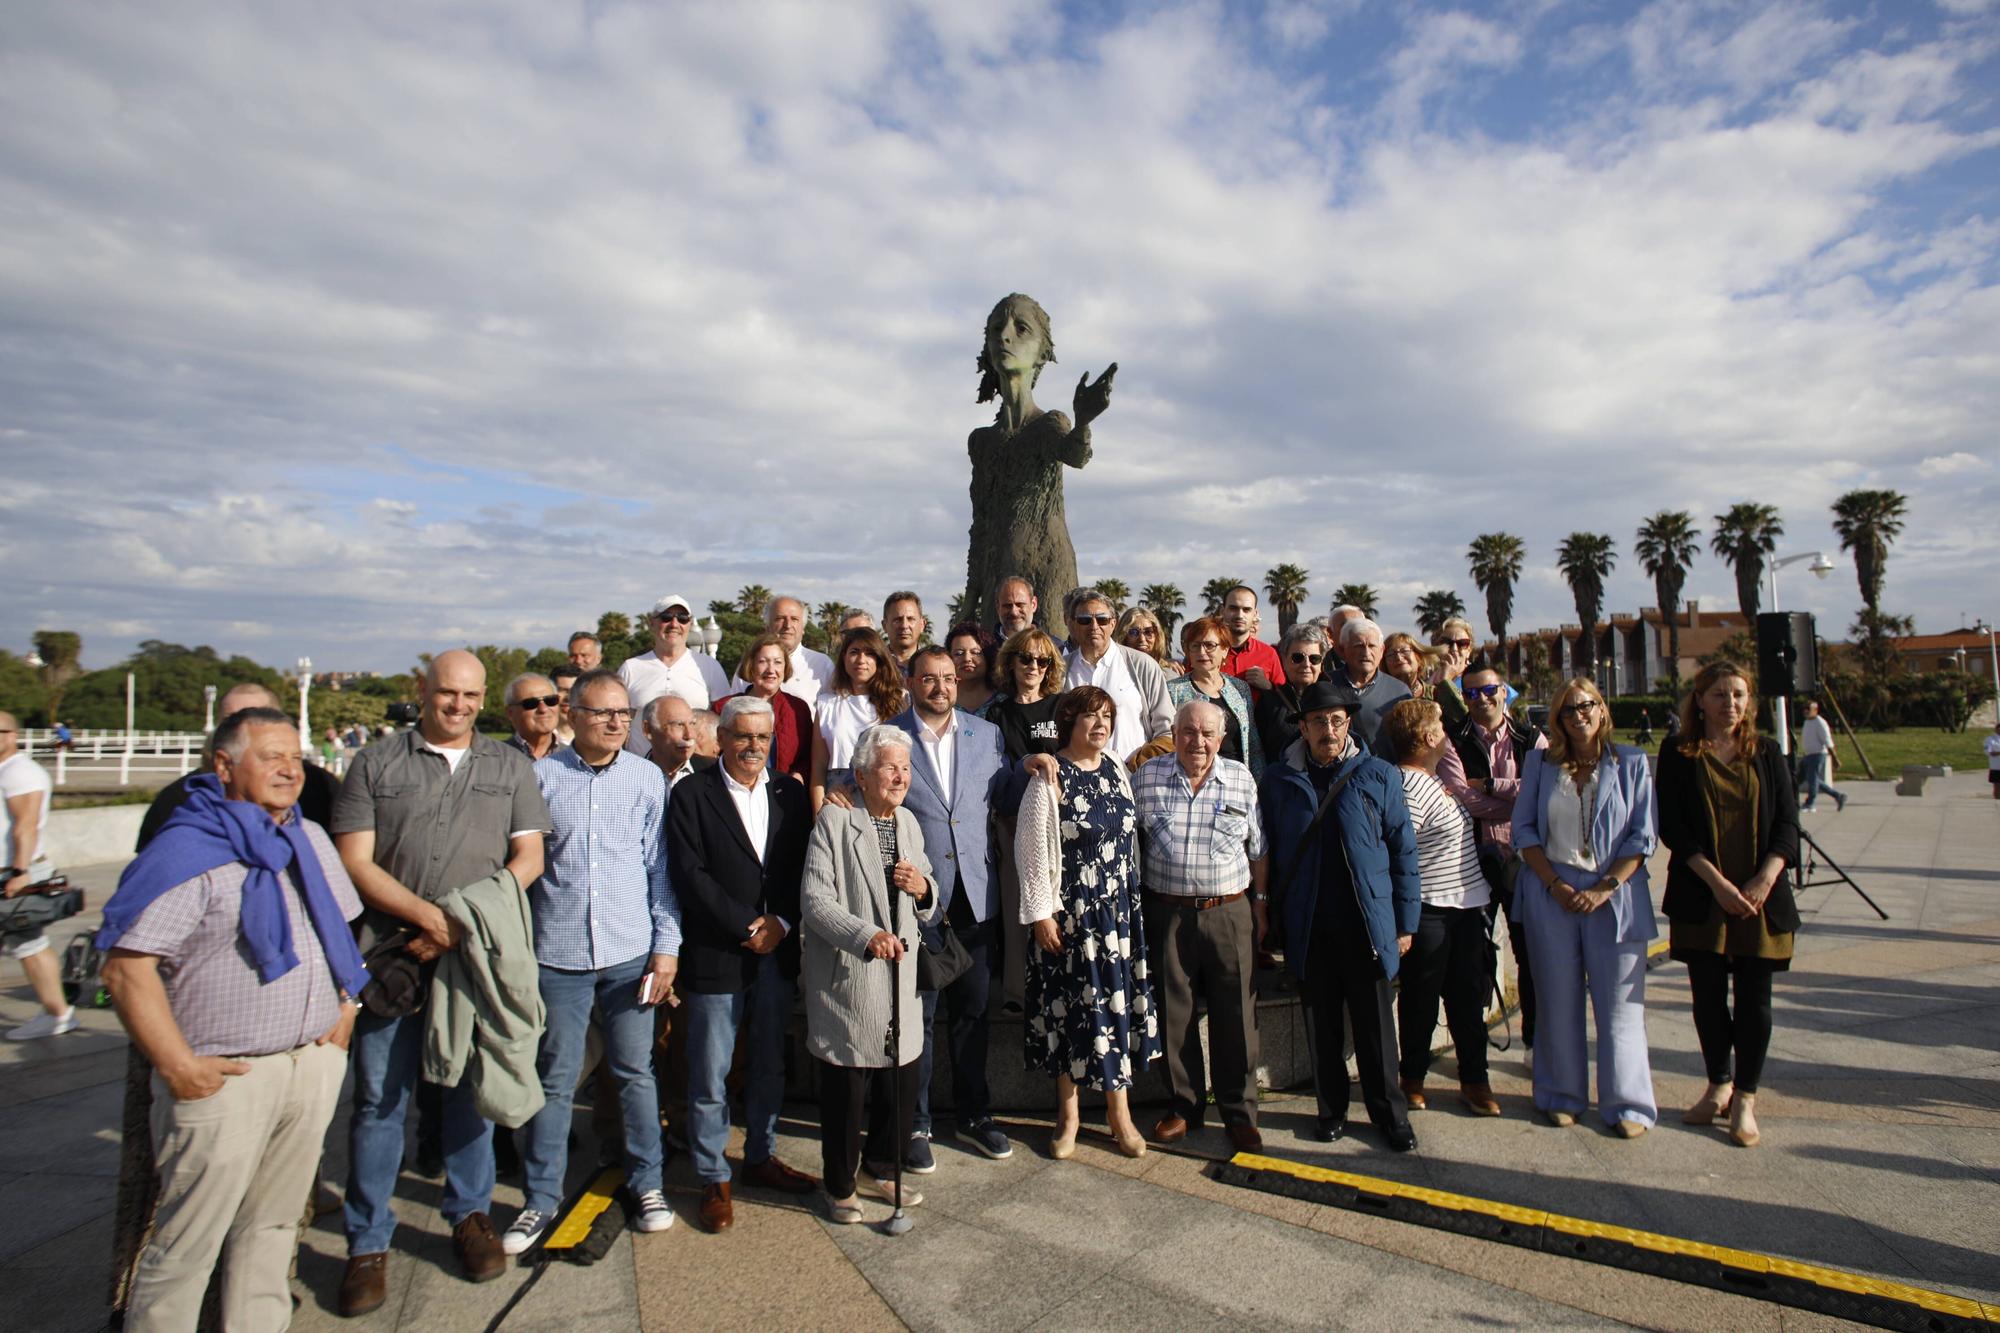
column 365, row 331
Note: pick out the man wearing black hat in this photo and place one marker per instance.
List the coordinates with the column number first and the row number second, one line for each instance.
column 1344, row 860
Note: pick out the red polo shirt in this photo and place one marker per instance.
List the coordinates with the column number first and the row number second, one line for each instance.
column 1254, row 653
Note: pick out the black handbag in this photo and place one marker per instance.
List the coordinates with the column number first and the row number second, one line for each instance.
column 397, row 982
column 53, row 900
column 939, row 967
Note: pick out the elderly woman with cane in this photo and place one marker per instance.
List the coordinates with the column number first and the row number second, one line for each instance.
column 859, row 974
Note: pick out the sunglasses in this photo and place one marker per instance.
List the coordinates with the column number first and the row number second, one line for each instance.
column 678, row 617
column 1483, row 691
column 1082, row 619
column 1309, row 659
column 1459, row 643
column 1036, row 660
column 535, row 703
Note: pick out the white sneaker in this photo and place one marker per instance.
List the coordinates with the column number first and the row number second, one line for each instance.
column 45, row 1024
column 526, row 1228
column 654, row 1214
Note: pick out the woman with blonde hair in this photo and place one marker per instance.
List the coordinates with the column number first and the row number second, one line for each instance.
column 1730, row 821
column 1423, row 670
column 867, row 688
column 1140, row 628
column 766, row 665
column 1583, row 825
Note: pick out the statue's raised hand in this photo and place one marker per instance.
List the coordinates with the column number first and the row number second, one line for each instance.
column 1092, row 399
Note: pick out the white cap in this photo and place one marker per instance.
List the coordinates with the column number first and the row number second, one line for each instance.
column 672, row 599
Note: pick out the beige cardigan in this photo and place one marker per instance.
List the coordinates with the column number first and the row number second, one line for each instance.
column 1038, row 845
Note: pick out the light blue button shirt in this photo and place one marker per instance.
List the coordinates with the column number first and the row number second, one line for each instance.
column 603, row 898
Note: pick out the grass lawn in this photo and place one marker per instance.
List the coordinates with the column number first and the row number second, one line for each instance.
column 1890, row 750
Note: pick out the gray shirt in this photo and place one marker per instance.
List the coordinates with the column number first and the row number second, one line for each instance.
column 220, row 1003
column 436, row 830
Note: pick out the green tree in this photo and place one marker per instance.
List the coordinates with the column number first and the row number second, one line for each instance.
column 1585, row 558
column 1213, row 591
column 828, row 615
column 167, row 689
column 722, row 608
column 1868, row 521
column 1368, row 598
column 21, row 691
column 1118, row 591
column 1434, row 608
column 1668, row 543
column 1164, row 600
column 752, row 598
column 1285, row 585
column 612, row 627
column 1743, row 537
column 1495, row 559
column 60, row 651
column 955, row 610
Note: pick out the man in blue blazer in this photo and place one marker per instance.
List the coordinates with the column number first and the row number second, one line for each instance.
column 959, row 765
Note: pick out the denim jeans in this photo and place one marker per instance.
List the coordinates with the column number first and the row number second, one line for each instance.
column 1812, row 781
column 712, row 1024
column 628, row 1049
column 388, row 1056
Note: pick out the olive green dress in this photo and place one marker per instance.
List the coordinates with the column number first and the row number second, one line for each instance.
column 1729, row 792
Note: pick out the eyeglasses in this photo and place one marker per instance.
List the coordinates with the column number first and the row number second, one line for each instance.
column 1083, row 619
column 1206, row 646
column 1308, row 659
column 1336, row 722
column 1582, row 706
column 610, row 717
column 535, row 703
column 1483, row 691
column 679, row 617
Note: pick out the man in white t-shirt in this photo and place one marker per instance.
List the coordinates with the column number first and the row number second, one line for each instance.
column 24, row 816
column 1816, row 760
column 785, row 619
column 670, row 668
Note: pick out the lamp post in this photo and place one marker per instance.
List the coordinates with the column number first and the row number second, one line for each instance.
column 305, row 689
column 711, row 636
column 1993, row 652
column 1820, row 566
column 208, row 705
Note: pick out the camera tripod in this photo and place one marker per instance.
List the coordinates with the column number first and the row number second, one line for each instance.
column 1809, row 864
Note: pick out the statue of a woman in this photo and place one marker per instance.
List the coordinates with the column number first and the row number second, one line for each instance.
column 1018, row 523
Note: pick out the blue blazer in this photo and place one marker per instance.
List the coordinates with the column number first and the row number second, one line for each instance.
column 1622, row 823
column 956, row 832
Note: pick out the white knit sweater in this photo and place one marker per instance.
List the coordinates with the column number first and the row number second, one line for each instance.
column 1038, row 845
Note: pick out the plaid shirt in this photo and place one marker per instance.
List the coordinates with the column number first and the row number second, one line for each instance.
column 603, row 898
column 1197, row 844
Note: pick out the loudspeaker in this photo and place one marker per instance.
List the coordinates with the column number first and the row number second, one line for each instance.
column 1787, row 654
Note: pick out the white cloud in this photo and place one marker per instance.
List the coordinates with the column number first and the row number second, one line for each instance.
column 1952, row 465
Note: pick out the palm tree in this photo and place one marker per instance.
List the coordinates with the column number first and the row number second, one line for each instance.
column 828, row 615
column 1285, row 585
column 1358, row 594
column 613, row 626
column 1668, row 543
column 1213, row 591
column 1584, row 559
column 955, row 610
column 751, row 598
column 1436, row 607
column 1165, row 601
column 1495, row 558
column 1743, row 537
column 1867, row 522
column 1117, row 590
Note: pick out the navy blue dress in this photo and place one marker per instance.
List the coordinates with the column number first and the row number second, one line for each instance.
column 1090, row 1011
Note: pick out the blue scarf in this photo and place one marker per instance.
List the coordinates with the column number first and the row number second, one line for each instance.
column 210, row 831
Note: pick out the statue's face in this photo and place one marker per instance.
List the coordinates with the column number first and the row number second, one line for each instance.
column 1013, row 342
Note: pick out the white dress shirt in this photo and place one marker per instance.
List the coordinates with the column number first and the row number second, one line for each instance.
column 1128, row 730
column 943, row 751
column 753, row 806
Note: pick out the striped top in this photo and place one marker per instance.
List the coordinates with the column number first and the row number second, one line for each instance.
column 1447, row 858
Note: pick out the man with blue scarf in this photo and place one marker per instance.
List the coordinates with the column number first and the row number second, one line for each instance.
column 234, row 969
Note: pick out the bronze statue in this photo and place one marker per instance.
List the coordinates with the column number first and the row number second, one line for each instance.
column 1018, row 523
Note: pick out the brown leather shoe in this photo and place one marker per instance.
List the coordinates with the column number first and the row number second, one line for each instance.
column 478, row 1247
column 1413, row 1093
column 717, row 1213
column 1170, row 1129
column 1245, row 1138
column 1478, row 1098
column 365, row 1284
column 772, row 1174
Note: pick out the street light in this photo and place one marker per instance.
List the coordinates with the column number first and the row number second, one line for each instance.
column 305, row 689
column 1820, row 566
column 711, row 636
column 1993, row 651
column 208, row 702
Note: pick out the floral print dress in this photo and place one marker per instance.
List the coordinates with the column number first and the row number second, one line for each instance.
column 1090, row 1010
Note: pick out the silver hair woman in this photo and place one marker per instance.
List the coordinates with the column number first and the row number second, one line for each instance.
column 1303, row 651
column 858, row 858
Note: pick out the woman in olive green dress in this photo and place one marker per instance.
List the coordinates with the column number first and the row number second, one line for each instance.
column 1729, row 817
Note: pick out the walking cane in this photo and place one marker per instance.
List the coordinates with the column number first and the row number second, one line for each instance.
column 899, row 1221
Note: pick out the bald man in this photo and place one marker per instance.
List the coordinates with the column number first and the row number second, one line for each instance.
column 315, row 797
column 430, row 818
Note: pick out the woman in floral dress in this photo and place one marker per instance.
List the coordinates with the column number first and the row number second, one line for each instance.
column 1090, row 1018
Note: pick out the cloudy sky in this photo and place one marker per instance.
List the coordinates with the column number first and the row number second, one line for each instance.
column 366, row 329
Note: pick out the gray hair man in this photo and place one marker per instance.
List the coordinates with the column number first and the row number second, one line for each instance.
column 1137, row 686
column 586, row 651
column 535, row 709
column 812, row 671
column 1360, row 646
column 315, row 799
column 1203, row 865
column 671, row 667
column 673, row 730
column 1014, row 606
column 436, row 825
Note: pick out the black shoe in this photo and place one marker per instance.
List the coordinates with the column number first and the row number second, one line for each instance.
column 430, row 1161
column 1330, row 1131
column 1400, row 1138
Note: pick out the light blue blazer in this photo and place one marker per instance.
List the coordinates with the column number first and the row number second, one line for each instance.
column 1622, row 823
column 956, row 832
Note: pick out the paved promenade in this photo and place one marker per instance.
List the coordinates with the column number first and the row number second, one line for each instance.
column 1881, row 1155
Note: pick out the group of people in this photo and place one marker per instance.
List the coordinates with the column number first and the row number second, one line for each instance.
column 1088, row 833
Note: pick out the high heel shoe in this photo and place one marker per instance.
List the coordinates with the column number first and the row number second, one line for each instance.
column 1062, row 1146
column 1743, row 1120
column 1713, row 1103
column 1132, row 1145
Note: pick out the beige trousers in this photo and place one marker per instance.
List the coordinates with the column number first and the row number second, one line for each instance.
column 235, row 1171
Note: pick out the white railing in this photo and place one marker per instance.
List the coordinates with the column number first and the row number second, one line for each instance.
column 143, row 752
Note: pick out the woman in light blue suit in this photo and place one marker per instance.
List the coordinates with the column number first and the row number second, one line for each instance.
column 1584, row 825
